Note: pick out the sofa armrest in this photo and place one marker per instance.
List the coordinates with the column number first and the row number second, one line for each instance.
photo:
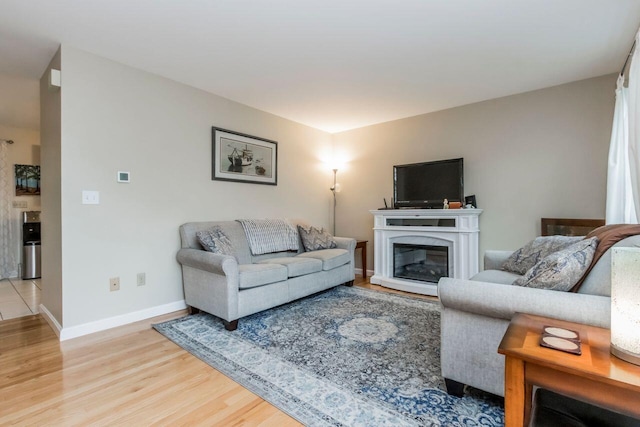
column 207, row 261
column 210, row 282
column 503, row 301
column 493, row 260
column 346, row 243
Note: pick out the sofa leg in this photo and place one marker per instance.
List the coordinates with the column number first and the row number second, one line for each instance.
column 231, row 326
column 349, row 283
column 454, row 388
column 192, row 310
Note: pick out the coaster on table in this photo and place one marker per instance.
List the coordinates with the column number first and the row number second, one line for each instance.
column 561, row 332
column 561, row 339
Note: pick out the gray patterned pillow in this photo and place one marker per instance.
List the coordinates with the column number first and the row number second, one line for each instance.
column 215, row 241
column 314, row 239
column 530, row 254
column 561, row 270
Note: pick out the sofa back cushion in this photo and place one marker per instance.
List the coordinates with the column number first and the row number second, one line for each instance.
column 266, row 236
column 315, row 239
column 214, row 240
column 598, row 282
column 232, row 229
column 562, row 269
column 523, row 259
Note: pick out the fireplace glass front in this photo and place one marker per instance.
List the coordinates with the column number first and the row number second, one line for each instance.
column 424, row 263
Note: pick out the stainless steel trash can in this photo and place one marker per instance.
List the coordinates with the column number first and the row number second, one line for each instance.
column 31, row 260
column 31, row 244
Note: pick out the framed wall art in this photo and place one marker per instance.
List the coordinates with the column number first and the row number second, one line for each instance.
column 569, row 226
column 243, row 158
column 27, row 180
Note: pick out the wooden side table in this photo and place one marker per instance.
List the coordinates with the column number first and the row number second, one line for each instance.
column 362, row 244
column 596, row 376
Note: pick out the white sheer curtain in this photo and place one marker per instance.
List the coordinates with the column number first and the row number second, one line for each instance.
column 623, row 175
column 8, row 232
column 634, row 127
column 620, row 206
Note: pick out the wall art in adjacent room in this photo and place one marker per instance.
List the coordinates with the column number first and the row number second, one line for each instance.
column 27, row 180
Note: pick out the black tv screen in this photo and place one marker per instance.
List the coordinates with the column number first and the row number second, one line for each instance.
column 426, row 185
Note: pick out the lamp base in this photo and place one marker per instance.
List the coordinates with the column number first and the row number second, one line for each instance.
column 625, row 355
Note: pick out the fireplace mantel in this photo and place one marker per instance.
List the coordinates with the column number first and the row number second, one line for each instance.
column 456, row 229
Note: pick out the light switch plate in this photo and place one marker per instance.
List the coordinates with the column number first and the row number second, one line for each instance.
column 90, row 197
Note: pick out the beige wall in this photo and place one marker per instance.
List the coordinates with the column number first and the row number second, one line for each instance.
column 118, row 118
column 24, row 151
column 528, row 156
column 51, row 174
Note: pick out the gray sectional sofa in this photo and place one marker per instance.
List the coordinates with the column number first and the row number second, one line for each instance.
column 476, row 313
column 233, row 287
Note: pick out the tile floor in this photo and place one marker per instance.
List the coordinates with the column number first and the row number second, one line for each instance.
column 19, row 297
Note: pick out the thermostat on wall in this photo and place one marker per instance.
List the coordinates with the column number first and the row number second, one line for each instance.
column 124, row 176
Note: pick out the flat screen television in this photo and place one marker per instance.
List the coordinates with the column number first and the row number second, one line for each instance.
column 426, row 185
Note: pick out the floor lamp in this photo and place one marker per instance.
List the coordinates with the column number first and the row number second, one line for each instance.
column 334, row 189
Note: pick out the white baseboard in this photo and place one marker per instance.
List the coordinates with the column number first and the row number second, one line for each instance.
column 359, row 271
column 44, row 312
column 108, row 323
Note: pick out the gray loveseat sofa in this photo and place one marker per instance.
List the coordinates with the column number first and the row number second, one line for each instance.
column 233, row 287
column 476, row 313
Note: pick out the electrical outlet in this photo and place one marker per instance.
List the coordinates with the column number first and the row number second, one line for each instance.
column 114, row 284
column 142, row 279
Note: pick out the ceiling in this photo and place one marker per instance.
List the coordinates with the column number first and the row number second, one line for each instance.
column 332, row 64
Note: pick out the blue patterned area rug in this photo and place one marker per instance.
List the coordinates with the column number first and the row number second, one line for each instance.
column 346, row 357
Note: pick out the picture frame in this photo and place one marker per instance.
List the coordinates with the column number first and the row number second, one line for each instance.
column 27, row 180
column 239, row 157
column 568, row 226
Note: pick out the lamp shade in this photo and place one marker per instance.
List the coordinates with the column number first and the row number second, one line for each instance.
column 625, row 304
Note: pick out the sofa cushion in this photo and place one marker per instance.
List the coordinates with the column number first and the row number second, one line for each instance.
column 314, row 239
column 496, row 276
column 598, row 279
column 533, row 252
column 254, row 275
column 561, row 270
column 214, row 240
column 331, row 258
column 296, row 266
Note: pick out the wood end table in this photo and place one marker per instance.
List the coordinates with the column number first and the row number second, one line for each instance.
column 362, row 244
column 596, row 376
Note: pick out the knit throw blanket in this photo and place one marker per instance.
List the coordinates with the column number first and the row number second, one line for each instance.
column 270, row 235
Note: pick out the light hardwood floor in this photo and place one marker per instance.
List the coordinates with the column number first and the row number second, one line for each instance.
column 129, row 375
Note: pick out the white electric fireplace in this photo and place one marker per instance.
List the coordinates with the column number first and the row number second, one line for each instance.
column 414, row 248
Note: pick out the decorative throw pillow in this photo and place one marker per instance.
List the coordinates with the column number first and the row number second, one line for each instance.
column 314, row 239
column 561, row 270
column 530, row 254
column 215, row 241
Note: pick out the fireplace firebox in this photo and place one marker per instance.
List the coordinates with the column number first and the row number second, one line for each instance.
column 424, row 263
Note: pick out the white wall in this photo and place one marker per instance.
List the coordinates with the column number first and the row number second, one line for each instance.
column 527, row 156
column 24, row 151
column 118, row 118
column 19, row 102
column 51, row 173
